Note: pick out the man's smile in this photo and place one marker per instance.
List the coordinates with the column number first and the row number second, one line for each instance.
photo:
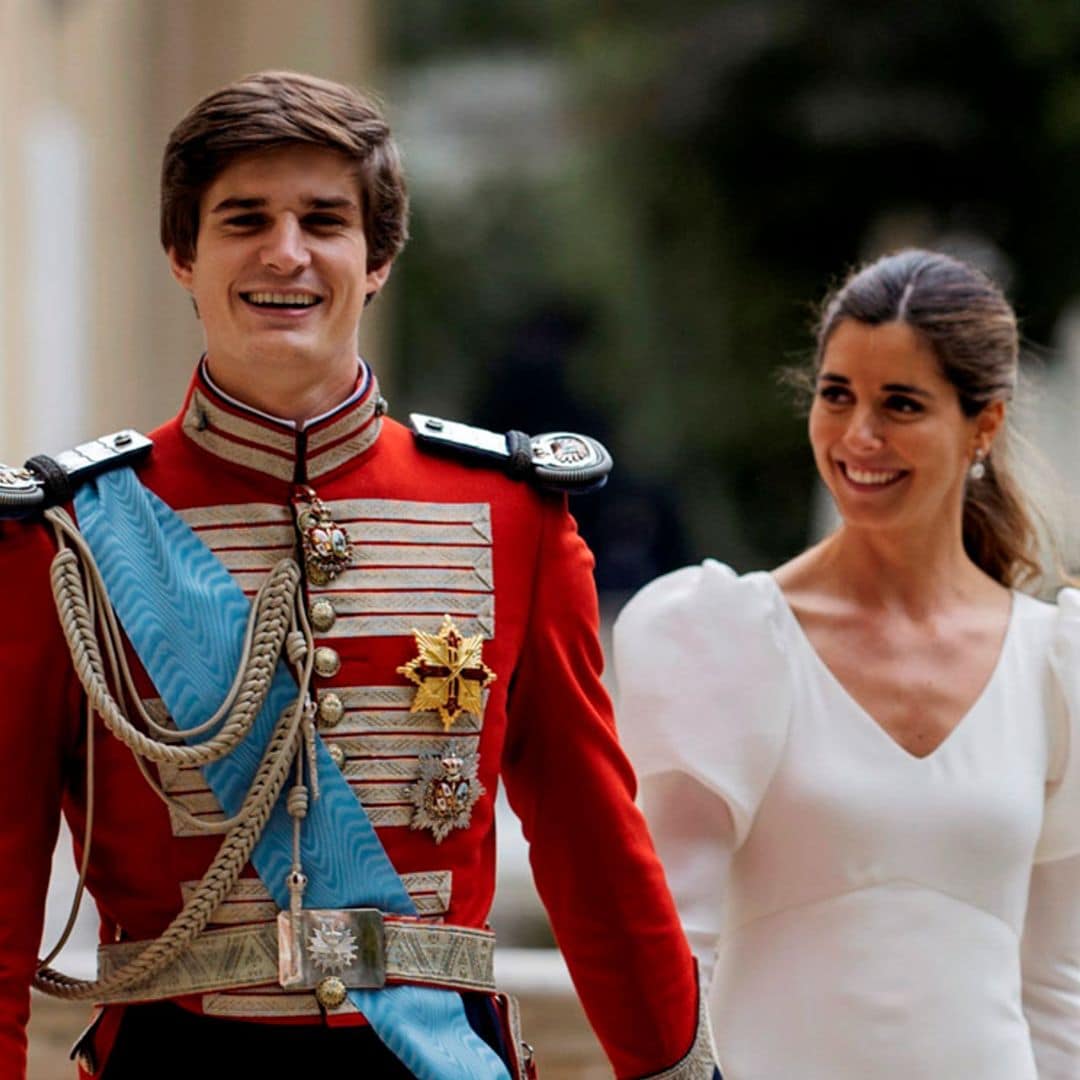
column 280, row 301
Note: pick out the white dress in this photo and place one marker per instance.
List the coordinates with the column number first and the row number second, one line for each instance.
column 863, row 914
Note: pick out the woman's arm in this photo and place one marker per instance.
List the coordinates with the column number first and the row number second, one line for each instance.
column 694, row 835
column 1051, row 967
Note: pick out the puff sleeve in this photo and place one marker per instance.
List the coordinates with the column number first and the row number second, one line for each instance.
column 704, row 703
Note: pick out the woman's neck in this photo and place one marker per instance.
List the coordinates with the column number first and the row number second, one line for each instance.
column 916, row 574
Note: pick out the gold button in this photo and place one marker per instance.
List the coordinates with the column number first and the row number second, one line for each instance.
column 337, row 754
column 323, row 615
column 327, row 661
column 331, row 710
column 331, row 992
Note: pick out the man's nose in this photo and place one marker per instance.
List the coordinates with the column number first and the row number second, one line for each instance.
column 285, row 249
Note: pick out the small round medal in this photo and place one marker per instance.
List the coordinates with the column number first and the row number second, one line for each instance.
column 331, row 992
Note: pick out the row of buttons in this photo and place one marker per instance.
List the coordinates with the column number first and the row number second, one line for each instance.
column 327, row 664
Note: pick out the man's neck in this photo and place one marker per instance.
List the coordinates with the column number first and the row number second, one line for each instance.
column 296, row 405
column 299, row 406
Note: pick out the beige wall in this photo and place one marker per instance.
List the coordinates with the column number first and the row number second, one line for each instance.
column 94, row 335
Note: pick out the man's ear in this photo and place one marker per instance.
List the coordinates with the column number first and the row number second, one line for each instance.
column 182, row 269
column 376, row 279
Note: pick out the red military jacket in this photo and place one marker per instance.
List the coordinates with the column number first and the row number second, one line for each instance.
column 430, row 537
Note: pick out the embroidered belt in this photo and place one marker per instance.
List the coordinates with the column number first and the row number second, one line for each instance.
column 427, row 954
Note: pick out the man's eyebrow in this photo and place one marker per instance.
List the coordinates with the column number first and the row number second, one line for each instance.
column 338, row 202
column 234, row 202
column 256, row 202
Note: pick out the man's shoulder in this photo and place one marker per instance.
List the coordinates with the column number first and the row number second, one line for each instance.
column 44, row 481
column 559, row 462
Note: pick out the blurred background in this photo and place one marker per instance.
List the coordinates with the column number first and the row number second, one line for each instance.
column 624, row 215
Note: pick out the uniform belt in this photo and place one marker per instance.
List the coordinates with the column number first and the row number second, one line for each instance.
column 408, row 951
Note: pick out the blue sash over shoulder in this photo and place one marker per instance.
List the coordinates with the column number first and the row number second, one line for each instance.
column 185, row 617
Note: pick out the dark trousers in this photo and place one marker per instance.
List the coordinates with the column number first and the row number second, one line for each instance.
column 164, row 1042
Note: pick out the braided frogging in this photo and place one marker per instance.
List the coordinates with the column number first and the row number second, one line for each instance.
column 218, row 880
column 276, row 613
column 273, row 615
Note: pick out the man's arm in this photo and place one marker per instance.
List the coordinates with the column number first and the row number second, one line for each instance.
column 41, row 707
column 593, row 862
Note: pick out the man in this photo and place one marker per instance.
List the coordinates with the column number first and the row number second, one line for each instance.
column 443, row 638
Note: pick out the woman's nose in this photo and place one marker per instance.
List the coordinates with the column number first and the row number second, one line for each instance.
column 864, row 429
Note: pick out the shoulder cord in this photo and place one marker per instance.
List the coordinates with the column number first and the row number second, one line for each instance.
column 277, row 618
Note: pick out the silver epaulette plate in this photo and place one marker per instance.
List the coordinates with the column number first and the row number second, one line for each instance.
column 25, row 490
column 563, row 460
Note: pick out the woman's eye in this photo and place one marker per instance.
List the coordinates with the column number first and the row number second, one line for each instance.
column 903, row 404
column 834, row 395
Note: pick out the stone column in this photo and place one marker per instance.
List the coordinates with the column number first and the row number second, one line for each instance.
column 94, row 334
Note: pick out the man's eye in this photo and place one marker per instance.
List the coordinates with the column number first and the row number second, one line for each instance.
column 245, row 221
column 323, row 221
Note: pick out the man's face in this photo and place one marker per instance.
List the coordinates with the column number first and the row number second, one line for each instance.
column 280, row 270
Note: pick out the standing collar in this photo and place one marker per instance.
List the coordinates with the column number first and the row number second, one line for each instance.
column 283, row 449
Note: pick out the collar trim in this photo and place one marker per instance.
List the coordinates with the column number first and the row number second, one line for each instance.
column 230, row 430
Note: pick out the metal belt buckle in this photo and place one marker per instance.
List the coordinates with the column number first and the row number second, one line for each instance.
column 330, row 951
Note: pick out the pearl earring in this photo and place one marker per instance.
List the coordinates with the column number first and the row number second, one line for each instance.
column 978, row 469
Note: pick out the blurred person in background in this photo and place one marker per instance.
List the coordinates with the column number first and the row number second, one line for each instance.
column 862, row 770
column 380, row 691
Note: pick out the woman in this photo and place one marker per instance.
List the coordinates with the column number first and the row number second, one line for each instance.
column 863, row 769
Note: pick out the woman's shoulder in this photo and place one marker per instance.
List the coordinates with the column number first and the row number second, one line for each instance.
column 707, row 598
column 702, row 681
column 1061, row 822
column 1064, row 617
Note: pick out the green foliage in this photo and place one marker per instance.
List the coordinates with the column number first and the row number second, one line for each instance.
column 723, row 164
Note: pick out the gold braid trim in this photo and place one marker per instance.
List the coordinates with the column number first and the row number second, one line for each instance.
column 278, row 617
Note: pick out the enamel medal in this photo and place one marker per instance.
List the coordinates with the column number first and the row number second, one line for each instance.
column 446, row 792
column 325, row 543
column 449, row 673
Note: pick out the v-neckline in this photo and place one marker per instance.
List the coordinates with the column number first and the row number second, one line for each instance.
column 806, row 644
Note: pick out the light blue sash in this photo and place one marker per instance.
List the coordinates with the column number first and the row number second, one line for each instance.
column 185, row 617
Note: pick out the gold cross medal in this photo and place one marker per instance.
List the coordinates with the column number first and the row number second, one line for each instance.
column 450, row 677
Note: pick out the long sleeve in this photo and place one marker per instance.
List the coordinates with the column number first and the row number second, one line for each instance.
column 1051, row 968
column 1051, row 944
column 704, row 702
column 694, row 835
column 594, row 865
column 35, row 674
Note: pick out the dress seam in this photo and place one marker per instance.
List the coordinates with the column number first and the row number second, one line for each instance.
column 910, row 883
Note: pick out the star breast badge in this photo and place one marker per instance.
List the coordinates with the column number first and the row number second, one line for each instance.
column 450, row 678
column 449, row 673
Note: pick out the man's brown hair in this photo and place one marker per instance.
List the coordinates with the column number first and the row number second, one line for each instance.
column 269, row 110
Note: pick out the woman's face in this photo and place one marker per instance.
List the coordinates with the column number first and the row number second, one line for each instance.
column 888, row 434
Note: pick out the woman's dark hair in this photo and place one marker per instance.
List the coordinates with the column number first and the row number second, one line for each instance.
column 971, row 328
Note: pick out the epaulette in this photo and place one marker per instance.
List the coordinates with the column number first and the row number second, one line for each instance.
column 558, row 460
column 48, row 481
